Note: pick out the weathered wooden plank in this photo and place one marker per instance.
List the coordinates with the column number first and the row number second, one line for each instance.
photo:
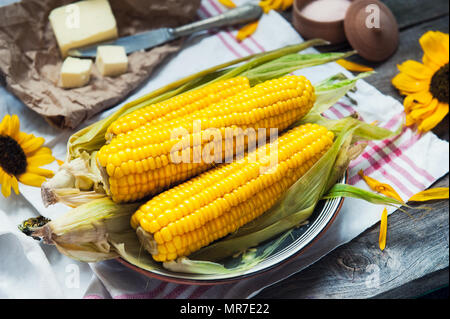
column 359, row 269
column 419, row 287
column 413, row 12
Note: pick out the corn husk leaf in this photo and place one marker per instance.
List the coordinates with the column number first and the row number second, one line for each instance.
column 345, row 190
column 83, row 232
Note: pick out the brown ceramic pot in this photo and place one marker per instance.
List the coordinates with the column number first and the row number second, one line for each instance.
column 310, row 29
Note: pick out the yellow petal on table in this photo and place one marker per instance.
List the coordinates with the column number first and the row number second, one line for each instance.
column 435, row 45
column 59, row 162
column 32, row 145
column 431, row 121
column 4, row 125
column 406, row 83
column 228, row 3
column 430, row 194
column 39, row 160
column 379, row 187
column 31, row 179
column 266, row 7
column 247, row 30
column 415, row 69
column 352, row 66
column 383, row 229
column 277, row 4
column 40, row 171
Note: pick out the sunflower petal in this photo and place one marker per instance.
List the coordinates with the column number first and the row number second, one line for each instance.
column 40, row 171
column 431, row 121
column 247, row 30
column 430, row 194
column 435, row 46
column 415, row 99
column 6, row 185
column 31, row 179
column 352, row 66
column 228, row 3
column 409, row 120
column 4, row 125
column 14, row 126
column 41, row 151
column 23, row 137
column 416, row 70
column 39, row 160
column 425, row 110
column 287, row 4
column 15, row 185
column 383, row 229
column 406, row 83
column 32, row 145
column 379, row 187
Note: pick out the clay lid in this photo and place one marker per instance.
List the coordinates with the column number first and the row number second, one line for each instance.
column 371, row 29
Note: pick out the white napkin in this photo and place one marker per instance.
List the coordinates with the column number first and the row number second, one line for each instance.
column 409, row 163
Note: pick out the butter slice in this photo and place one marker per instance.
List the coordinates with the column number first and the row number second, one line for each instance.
column 111, row 60
column 75, row 72
column 83, row 23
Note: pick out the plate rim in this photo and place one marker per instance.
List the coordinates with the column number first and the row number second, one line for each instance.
column 212, row 282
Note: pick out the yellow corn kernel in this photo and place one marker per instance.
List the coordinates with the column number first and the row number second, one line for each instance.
column 219, row 201
column 179, row 105
column 146, row 150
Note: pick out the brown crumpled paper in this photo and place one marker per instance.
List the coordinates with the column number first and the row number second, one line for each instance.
column 30, row 60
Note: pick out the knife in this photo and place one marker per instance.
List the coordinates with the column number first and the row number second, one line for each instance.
column 150, row 39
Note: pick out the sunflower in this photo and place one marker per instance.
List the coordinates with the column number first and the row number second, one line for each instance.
column 21, row 156
column 426, row 84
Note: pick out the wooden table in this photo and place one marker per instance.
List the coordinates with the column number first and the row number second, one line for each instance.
column 416, row 259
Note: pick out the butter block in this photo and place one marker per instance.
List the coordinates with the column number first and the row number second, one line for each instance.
column 111, row 60
column 83, row 23
column 75, row 72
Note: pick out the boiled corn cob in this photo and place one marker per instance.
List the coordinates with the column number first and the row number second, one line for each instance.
column 178, row 106
column 191, row 215
column 138, row 164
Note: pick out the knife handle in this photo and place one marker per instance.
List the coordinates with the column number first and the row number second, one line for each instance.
column 241, row 14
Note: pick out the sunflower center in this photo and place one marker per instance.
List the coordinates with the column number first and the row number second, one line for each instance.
column 439, row 84
column 12, row 157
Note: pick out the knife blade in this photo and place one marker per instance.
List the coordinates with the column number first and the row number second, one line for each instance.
column 152, row 38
